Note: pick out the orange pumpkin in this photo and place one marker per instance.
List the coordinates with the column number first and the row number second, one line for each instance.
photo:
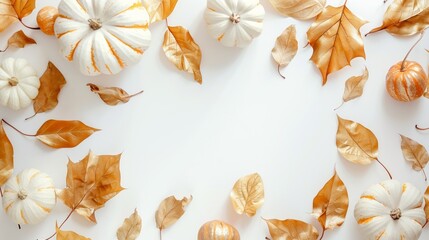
column 406, row 81
column 46, row 19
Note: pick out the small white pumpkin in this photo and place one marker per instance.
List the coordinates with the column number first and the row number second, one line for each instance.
column 391, row 211
column 29, row 197
column 103, row 36
column 234, row 23
column 19, row 83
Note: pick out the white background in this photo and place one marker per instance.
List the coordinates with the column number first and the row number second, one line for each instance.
column 180, row 138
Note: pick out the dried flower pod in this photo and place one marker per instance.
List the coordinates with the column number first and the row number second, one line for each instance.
column 46, row 19
column 218, row 230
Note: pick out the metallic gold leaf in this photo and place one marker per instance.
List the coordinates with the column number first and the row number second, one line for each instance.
column 69, row 235
column 336, row 39
column 427, row 203
column 247, row 195
column 181, row 49
column 7, row 14
column 6, row 156
column 130, row 229
column 112, row 95
column 19, row 40
column 299, row 9
column 291, row 229
column 354, row 86
column 331, row 203
column 285, row 48
column 91, row 183
column 159, row 9
column 64, row 134
column 170, row 210
column 23, row 8
column 356, row 143
column 415, row 153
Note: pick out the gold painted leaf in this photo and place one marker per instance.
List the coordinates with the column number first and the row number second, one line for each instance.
column 91, row 183
column 415, row 153
column 130, row 229
column 64, row 134
column 7, row 14
column 112, row 96
column 331, row 203
column 285, row 48
column 23, row 8
column 181, row 49
column 356, row 143
column 19, row 40
column 169, row 211
column 427, row 203
column 6, row 156
column 247, row 195
column 336, row 39
column 291, row 229
column 299, row 9
column 354, row 86
column 159, row 9
column 69, row 235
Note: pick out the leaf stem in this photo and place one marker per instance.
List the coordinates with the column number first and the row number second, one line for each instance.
column 385, row 168
column 4, row 50
column 406, row 56
column 25, row 25
column 1, row 192
column 323, row 234
column 339, row 106
column 278, row 70
column 16, row 129
column 160, row 234
column 266, row 238
column 421, row 129
column 65, row 220
column 135, row 94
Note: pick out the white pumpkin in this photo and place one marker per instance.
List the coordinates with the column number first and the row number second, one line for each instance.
column 29, row 197
column 103, row 36
column 19, row 83
column 234, row 23
column 391, row 211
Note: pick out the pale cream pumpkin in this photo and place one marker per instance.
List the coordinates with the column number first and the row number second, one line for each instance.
column 103, row 36
column 234, row 23
column 391, row 211
column 218, row 230
column 29, row 197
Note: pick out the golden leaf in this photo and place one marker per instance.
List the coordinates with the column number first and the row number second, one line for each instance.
column 159, row 9
column 356, row 143
column 427, row 203
column 331, row 203
column 7, row 14
column 415, row 153
column 181, row 49
column 169, row 211
column 299, row 9
column 405, row 17
column 64, row 134
column 354, row 86
column 130, row 229
column 285, row 48
column 19, row 40
column 247, row 195
column 291, row 229
column 68, row 235
column 112, row 95
column 336, row 39
column 91, row 183
column 51, row 83
column 23, row 8
column 6, row 156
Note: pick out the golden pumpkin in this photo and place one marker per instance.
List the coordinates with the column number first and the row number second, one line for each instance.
column 46, row 19
column 406, row 81
column 218, row 230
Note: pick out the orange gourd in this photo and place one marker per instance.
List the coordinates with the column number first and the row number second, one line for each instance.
column 46, row 19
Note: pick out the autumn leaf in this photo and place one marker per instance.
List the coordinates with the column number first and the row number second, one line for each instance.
column 112, row 95
column 130, row 229
column 247, row 195
column 415, row 153
column 336, row 39
column 6, row 156
column 91, row 183
column 68, row 235
column 291, row 229
column 331, row 204
column 354, row 87
column 181, row 49
column 7, row 14
column 159, row 9
column 169, row 211
column 285, row 48
column 19, row 40
column 23, row 8
column 299, row 9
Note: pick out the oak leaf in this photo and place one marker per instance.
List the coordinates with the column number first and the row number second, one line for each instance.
column 285, row 48
column 6, row 156
column 19, row 40
column 299, row 9
column 112, row 96
column 336, row 39
column 130, row 229
column 159, row 9
column 169, row 211
column 291, row 229
column 247, row 195
column 91, row 183
column 69, row 235
column 181, row 49
column 415, row 153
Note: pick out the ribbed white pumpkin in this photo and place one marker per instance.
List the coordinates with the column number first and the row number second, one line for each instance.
column 29, row 197
column 234, row 23
column 391, row 211
column 103, row 36
column 19, row 83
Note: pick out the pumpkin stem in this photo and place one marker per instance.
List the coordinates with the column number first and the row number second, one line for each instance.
column 13, row 81
column 95, row 24
column 22, row 195
column 16, row 129
column 396, row 214
column 406, row 56
column 235, row 18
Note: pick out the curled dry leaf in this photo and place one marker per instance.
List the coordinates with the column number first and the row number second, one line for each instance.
column 68, row 235
column 336, row 39
column 6, row 156
column 247, row 195
column 159, row 9
column 415, row 153
column 331, row 203
column 7, row 14
column 291, row 229
column 285, row 48
column 169, row 211
column 354, row 86
column 19, row 40
column 181, row 49
column 91, row 183
column 130, row 229
column 112, row 95
column 299, row 9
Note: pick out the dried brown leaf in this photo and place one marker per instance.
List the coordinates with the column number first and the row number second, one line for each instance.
column 69, row 235
column 112, row 96
column 415, row 153
column 130, row 229
column 181, row 49
column 23, row 8
column 6, row 156
column 7, row 14
column 169, row 211
column 159, row 9
column 331, row 203
column 285, row 48
column 247, row 195
column 354, row 86
column 299, row 9
column 19, row 40
column 291, row 229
